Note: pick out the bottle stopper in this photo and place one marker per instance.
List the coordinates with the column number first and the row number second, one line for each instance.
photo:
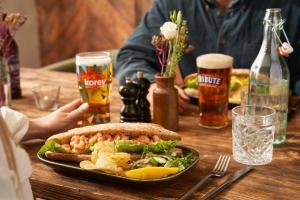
column 285, row 48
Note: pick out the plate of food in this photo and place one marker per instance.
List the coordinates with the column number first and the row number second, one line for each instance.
column 239, row 80
column 142, row 153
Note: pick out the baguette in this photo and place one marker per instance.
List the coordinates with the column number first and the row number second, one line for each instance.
column 131, row 129
column 67, row 157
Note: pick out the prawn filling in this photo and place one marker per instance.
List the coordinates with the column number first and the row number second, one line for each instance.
column 79, row 143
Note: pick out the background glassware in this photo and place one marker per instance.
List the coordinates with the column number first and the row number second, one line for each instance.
column 94, row 72
column 213, row 84
column 253, row 134
column 46, row 96
column 244, row 96
column 5, row 84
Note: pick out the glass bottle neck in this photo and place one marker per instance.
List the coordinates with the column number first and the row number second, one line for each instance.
column 270, row 41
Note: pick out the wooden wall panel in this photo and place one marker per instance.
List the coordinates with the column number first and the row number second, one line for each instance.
column 67, row 27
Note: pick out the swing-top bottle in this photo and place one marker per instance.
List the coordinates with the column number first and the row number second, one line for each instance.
column 269, row 75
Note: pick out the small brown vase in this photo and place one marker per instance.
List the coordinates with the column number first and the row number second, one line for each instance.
column 165, row 103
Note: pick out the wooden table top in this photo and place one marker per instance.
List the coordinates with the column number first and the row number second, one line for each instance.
column 278, row 180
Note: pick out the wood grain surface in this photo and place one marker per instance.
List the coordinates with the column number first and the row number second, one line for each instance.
column 67, row 27
column 279, row 180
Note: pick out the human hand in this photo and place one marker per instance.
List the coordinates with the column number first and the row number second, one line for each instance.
column 64, row 118
column 183, row 99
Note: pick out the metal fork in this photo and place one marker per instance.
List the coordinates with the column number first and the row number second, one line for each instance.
column 218, row 171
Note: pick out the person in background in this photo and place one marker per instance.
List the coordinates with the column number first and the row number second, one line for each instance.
column 232, row 27
column 15, row 127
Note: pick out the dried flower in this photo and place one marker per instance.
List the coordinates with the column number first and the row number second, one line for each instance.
column 171, row 44
column 162, row 49
column 9, row 25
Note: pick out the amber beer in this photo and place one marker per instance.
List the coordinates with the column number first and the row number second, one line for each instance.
column 94, row 73
column 213, row 79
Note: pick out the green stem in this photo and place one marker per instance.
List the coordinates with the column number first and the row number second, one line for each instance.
column 173, row 57
column 168, row 60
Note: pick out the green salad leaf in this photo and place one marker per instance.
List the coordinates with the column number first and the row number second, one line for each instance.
column 161, row 146
column 128, row 146
column 191, row 83
column 51, row 145
column 182, row 162
column 156, row 160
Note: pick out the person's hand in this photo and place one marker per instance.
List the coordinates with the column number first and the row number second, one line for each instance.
column 183, row 99
column 63, row 119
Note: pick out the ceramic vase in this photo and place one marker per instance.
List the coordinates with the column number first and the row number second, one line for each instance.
column 165, row 103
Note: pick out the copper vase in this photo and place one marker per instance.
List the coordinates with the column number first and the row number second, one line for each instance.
column 165, row 103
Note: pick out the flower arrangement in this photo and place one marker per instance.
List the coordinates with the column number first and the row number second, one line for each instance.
column 9, row 25
column 171, row 44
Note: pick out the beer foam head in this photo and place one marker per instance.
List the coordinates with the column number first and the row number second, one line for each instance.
column 214, row 61
column 93, row 58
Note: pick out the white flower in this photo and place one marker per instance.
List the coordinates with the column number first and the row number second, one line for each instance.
column 169, row 30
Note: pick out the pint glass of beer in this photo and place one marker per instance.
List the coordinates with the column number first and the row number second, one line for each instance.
column 213, row 79
column 94, row 73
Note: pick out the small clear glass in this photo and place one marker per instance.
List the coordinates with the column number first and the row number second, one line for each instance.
column 253, row 134
column 46, row 96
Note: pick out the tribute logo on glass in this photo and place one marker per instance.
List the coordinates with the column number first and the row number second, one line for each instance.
column 209, row 80
column 213, row 79
column 94, row 73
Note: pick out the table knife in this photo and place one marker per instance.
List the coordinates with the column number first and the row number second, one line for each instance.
column 227, row 183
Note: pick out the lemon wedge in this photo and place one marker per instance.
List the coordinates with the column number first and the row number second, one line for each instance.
column 151, row 172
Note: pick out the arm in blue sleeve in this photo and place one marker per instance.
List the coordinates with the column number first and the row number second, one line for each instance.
column 294, row 66
column 138, row 54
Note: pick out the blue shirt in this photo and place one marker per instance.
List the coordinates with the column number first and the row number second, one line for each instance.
column 236, row 31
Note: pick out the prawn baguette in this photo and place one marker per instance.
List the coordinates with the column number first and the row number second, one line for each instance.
column 133, row 130
column 74, row 145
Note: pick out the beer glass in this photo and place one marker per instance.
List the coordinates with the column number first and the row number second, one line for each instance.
column 94, row 73
column 214, row 72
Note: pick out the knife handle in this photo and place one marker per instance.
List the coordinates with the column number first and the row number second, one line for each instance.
column 195, row 188
column 217, row 190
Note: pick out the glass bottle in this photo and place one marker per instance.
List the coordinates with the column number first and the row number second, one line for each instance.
column 269, row 75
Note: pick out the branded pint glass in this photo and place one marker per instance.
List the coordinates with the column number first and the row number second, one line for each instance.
column 94, row 73
column 214, row 72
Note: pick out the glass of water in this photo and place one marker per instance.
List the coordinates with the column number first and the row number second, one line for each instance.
column 253, row 134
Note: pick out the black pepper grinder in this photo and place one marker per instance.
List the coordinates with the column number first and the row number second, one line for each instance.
column 142, row 101
column 129, row 94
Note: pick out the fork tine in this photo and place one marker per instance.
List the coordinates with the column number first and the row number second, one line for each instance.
column 217, row 166
column 227, row 163
column 222, row 163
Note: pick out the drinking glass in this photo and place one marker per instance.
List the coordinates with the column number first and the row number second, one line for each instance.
column 94, row 73
column 253, row 134
column 46, row 96
column 213, row 84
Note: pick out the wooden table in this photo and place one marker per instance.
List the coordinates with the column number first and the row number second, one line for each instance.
column 278, row 180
